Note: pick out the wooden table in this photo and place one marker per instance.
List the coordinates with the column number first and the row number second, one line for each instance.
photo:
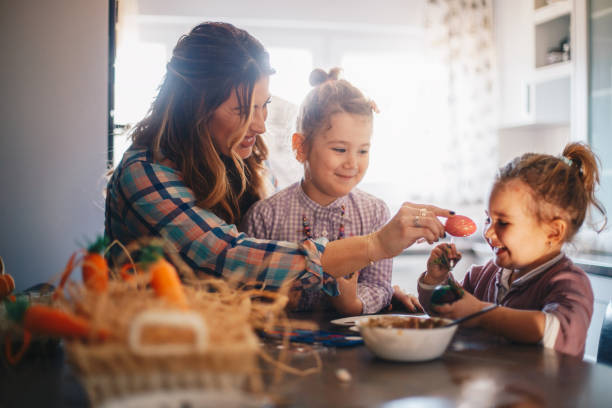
column 478, row 370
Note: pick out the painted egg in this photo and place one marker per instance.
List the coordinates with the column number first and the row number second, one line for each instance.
column 460, row 226
column 447, row 293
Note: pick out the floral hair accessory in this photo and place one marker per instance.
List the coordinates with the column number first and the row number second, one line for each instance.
column 374, row 106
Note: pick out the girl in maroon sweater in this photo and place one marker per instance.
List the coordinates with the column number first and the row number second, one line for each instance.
column 537, row 203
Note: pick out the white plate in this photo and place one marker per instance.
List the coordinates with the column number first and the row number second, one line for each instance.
column 352, row 320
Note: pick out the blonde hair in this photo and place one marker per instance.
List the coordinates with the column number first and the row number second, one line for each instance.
column 209, row 63
column 561, row 187
column 329, row 96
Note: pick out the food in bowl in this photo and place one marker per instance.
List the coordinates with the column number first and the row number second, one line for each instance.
column 406, row 338
column 407, row 322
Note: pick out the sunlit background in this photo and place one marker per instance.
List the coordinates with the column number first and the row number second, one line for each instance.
column 383, row 53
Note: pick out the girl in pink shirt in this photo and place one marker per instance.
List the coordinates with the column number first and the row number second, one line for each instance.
column 537, row 203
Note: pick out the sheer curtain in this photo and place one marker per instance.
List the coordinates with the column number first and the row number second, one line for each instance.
column 462, row 103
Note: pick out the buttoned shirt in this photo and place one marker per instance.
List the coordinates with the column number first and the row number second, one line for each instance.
column 282, row 216
column 147, row 198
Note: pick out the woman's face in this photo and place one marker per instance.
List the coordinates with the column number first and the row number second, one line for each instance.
column 226, row 126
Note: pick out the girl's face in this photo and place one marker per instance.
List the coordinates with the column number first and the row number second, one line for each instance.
column 337, row 158
column 518, row 240
column 226, row 125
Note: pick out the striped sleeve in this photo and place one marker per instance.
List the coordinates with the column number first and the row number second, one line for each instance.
column 160, row 201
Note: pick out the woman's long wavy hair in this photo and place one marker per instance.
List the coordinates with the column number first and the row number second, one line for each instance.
column 207, row 64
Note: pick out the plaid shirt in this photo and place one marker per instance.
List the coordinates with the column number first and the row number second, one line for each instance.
column 146, row 198
column 280, row 217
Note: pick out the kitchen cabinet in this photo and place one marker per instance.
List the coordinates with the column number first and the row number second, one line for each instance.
column 600, row 91
column 535, row 44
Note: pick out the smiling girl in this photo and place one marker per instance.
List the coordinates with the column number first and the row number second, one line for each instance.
column 537, row 203
column 334, row 129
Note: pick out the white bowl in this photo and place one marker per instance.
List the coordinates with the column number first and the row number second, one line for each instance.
column 400, row 344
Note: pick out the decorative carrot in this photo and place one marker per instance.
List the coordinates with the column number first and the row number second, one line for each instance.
column 95, row 267
column 46, row 320
column 7, row 283
column 164, row 278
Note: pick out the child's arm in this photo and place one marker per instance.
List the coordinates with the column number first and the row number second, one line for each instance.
column 366, row 292
column 347, row 302
column 525, row 326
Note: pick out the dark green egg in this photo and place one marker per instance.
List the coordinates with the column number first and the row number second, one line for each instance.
column 447, row 293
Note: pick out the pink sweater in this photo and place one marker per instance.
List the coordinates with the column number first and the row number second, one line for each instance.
column 563, row 290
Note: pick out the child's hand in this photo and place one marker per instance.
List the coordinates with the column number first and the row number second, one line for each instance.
column 466, row 305
column 443, row 257
column 347, row 301
column 404, row 300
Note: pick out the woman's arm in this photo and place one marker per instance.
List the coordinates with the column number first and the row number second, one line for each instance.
column 158, row 203
column 344, row 256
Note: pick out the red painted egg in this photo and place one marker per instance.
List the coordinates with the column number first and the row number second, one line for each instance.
column 460, row 226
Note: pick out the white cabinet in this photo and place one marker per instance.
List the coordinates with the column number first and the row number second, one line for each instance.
column 535, row 42
column 515, row 60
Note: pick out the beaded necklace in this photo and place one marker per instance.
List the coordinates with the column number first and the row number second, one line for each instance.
column 308, row 232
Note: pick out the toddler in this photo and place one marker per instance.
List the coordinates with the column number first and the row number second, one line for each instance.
column 537, row 203
column 332, row 142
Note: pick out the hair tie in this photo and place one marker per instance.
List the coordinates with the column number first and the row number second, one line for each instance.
column 566, row 160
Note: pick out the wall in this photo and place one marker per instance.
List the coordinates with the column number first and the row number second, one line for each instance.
column 53, row 138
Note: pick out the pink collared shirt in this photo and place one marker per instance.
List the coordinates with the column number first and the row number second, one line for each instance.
column 281, row 216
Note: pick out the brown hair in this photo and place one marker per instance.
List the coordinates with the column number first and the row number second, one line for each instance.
column 562, row 187
column 207, row 64
column 329, row 96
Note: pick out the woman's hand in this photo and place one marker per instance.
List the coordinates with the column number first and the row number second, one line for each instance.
column 466, row 305
column 411, row 223
column 442, row 258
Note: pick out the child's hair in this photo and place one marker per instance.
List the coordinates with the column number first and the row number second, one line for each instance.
column 562, row 187
column 329, row 96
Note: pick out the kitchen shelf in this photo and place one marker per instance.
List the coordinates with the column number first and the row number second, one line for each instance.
column 553, row 71
column 552, row 11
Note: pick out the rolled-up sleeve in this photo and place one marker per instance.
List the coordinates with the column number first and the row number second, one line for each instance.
column 157, row 202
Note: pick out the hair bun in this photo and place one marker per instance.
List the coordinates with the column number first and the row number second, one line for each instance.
column 319, row 76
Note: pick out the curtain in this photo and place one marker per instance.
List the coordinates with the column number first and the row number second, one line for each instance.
column 459, row 40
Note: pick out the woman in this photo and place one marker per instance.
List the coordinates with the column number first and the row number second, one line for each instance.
column 196, row 166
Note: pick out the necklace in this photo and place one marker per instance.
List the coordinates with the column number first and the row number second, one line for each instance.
column 308, row 232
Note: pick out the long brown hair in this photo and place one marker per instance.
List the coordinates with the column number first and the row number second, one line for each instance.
column 207, row 64
column 562, row 187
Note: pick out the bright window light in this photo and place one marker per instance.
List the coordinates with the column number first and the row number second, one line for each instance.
column 293, row 66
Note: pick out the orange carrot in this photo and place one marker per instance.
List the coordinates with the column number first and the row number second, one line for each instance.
column 7, row 285
column 46, row 320
column 95, row 267
column 164, row 278
column 67, row 271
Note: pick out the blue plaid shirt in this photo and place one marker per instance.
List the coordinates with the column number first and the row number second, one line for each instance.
column 146, row 198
